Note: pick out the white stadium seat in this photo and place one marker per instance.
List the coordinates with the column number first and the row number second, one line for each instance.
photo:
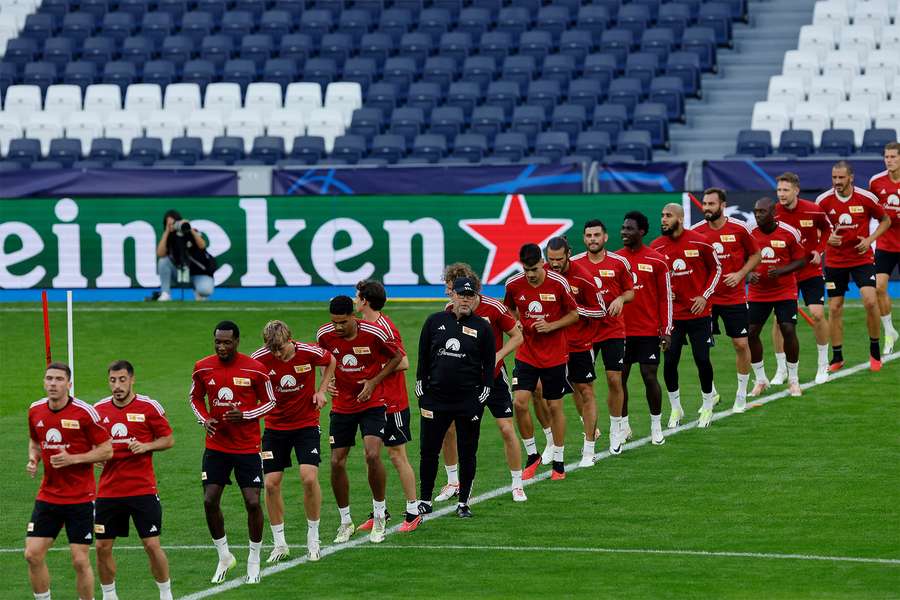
column 772, row 117
column 844, row 63
column 10, row 129
column 124, row 125
column 852, row 115
column 888, row 117
column 206, row 125
column 43, row 127
column 304, row 97
column 835, row 14
column 263, row 97
column 829, row 90
column 870, row 89
column 327, row 123
column 102, row 99
column 222, row 97
column 164, row 125
column 182, row 99
column 143, row 99
column 818, row 39
column 22, row 101
column 890, row 37
column 247, row 124
column 859, row 38
column 345, row 96
column 786, row 90
column 286, row 123
column 803, row 64
column 63, row 100
column 872, row 12
column 884, row 64
column 84, row 126
column 813, row 116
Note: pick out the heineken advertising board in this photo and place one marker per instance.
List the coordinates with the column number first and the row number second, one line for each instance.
column 296, row 241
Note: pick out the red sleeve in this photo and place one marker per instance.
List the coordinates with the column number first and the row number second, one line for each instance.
column 748, row 242
column 31, row 430
column 321, row 359
column 568, row 301
column 263, row 387
column 591, row 302
column 159, row 424
column 505, row 320
column 508, row 299
column 876, row 210
column 198, row 397
column 94, row 430
column 713, row 266
column 664, row 296
column 797, row 250
column 625, row 280
column 387, row 348
column 824, row 227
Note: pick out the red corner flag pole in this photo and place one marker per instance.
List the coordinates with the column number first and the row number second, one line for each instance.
column 802, row 312
column 46, row 326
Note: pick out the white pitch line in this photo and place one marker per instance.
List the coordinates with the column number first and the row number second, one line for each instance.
column 283, row 566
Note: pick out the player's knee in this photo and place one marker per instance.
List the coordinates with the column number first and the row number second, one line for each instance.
column 273, row 486
column 34, row 557
column 252, row 503
column 308, row 479
column 104, row 551
column 210, row 503
column 373, row 457
column 81, row 563
column 338, row 462
column 521, row 403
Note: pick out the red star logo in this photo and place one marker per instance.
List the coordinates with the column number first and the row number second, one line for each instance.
column 504, row 237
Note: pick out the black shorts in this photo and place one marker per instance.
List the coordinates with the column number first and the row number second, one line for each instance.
column 554, row 380
column 886, row 261
column 277, row 445
column 217, row 468
column 837, row 279
column 785, row 311
column 642, row 349
column 734, row 316
column 812, row 289
column 613, row 353
column 112, row 515
column 500, row 401
column 48, row 519
column 342, row 427
column 396, row 430
column 698, row 331
column 581, row 367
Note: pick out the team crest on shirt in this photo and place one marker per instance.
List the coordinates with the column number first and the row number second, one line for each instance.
column 574, row 289
column 548, row 297
column 119, row 430
column 692, row 253
column 645, row 267
column 767, row 253
column 470, row 332
column 302, row 368
column 70, row 424
column 845, row 219
column 805, row 223
column 349, row 360
column 778, row 244
column 893, row 200
column 361, row 350
column 727, row 238
column 135, row 417
column 857, row 209
column 241, row 381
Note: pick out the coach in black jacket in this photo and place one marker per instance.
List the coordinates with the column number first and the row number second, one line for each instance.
column 453, row 380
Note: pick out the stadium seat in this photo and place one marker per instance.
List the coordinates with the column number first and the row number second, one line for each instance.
column 637, row 144
column 349, row 147
column 883, row 64
column 888, row 117
column 845, row 64
column 65, row 151
column 434, row 21
column 529, row 120
column 57, row 50
column 102, row 98
column 277, row 24
column 828, row 90
column 155, row 26
column 504, row 94
column 593, row 19
column 182, row 99
column 106, row 150
column 635, row 18
column 513, row 20
column 858, row 38
column 659, row 41
column 367, row 122
column 481, row 70
column 256, row 47
column 611, row 118
column 361, row 71
column 463, row 94
column 702, row 42
column 675, row 17
column 159, row 72
column 837, row 142
column 537, row 43
column 601, row 67
column 716, row 16
column 787, row 91
column 559, row 67
column 222, row 97
column 22, row 100
column 205, row 125
column 873, row 14
column 389, row 147
column 470, row 147
column 568, row 118
column 238, row 23
column 812, row 116
column 356, row 22
column 854, row 116
column 146, row 150
column 429, row 147
column 802, row 64
column 874, row 140
column 227, row 149
column 772, row 117
column 593, row 144
column 487, row 121
column 474, row 21
column 552, row 144
column 188, row 150
column 447, row 121
column 377, row 46
column 797, row 142
column 41, row 73
column 84, row 126
column 283, row 71
column 124, row 126
column 142, row 99
column 395, row 22
column 264, row 97
column 496, row 44
column 546, row 93
column 165, row 125
column 626, row 91
column 518, row 69
column 346, row 97
column 512, row 146
column 308, row 149
column 285, row 123
column 652, row 117
column 118, row 26
column 327, row 124
column 24, row 151
column 869, row 89
column 297, row 47
column 407, row 122
column 617, row 43
column 21, row 51
column 831, row 13
column 268, row 149
column 754, row 143
column 245, row 124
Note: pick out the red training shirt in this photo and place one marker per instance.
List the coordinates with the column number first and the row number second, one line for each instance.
column 779, row 248
column 810, row 220
column 393, row 389
column 76, row 429
column 591, row 309
column 141, row 420
column 359, row 359
column 888, row 194
column 650, row 313
column 613, row 278
column 733, row 245
column 243, row 384
column 694, row 270
column 850, row 218
column 550, row 301
column 294, row 383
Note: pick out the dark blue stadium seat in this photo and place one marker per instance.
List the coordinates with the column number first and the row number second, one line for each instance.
column 39, row 27
column 434, row 21
column 874, row 140
column 669, row 91
column 424, row 95
column 254, row 7
column 429, row 147
column 41, row 73
column 601, row 67
column 717, row 16
column 349, row 147
column 577, row 44
column 837, row 141
column 8, row 76
column 146, row 150
column 65, row 151
column 701, row 41
column 685, row 65
column 408, row 122
column 356, row 22
column 635, row 143
column 611, row 118
column 177, row 49
column 199, row 71
column 308, row 149
column 635, row 18
column 652, row 118
column 626, row 91
column 487, row 121
column 545, row 93
column 586, row 92
column 126, row 164
column 529, row 120
column 511, row 145
column 454, row 7
column 514, row 20
column 88, row 163
column 237, row 70
column 472, row 147
column 175, row 8
column 594, row 144
column 505, row 94
column 81, row 73
column 390, row 147
column 121, row 73
column 268, row 149
column 98, row 50
column 373, row 7
column 497, row 44
column 217, row 49
column 401, row 71
column 447, row 121
column 57, row 50
column 569, row 118
column 559, row 67
column 395, row 22
column 106, row 150
column 196, row 24
column 284, row 71
column 674, row 16
column 360, row 70
column 137, row 49
column 24, row 151
column 456, row 45
column 438, row 69
column 416, row 45
column 552, row 144
column 651, row 5
column 161, row 72
column 336, row 46
column 118, row 25
column 187, row 149
column 464, row 94
column 297, row 47
column 537, row 43
column 754, row 142
column 519, row 69
column 227, row 149
column 238, row 23
column 660, row 41
column 276, row 23
column 554, row 19
column 377, row 46
column 593, row 19
column 481, row 70
column 46, row 164
column 78, row 26
column 618, row 43
column 413, row 6
column 475, row 21
column 367, row 122
column 21, row 51
column 155, row 26
column 383, row 96
column 332, row 6
column 216, row 8
column 798, row 142
column 643, row 66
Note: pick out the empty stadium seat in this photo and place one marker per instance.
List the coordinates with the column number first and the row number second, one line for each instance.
column 798, row 142
column 287, row 124
column 829, row 90
column 246, row 124
column 123, row 125
column 65, row 151
column 182, row 99
column 854, row 116
column 222, row 97
column 637, row 144
column 263, row 97
column 164, row 125
column 84, row 126
column 755, row 143
column 812, row 116
column 874, row 140
column 772, row 117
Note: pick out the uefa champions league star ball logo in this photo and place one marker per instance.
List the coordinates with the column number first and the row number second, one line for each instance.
column 119, row 430
column 679, row 265
column 53, row 435
column 535, row 307
column 845, row 219
column 349, row 360
column 452, row 345
column 288, row 381
column 767, row 253
column 225, row 394
column 719, row 248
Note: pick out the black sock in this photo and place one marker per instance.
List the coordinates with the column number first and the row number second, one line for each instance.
column 837, row 354
column 532, row 458
column 558, row 466
column 874, row 348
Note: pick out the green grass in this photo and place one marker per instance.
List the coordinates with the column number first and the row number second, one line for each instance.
column 812, row 476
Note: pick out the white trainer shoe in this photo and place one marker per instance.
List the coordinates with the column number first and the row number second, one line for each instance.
column 313, row 550
column 759, row 387
column 740, row 404
column 890, row 339
column 253, row 572
column 587, row 460
column 656, row 435
column 164, row 297
column 794, row 389
column 547, row 455
column 222, row 569
column 344, row 533
column 615, row 443
column 675, row 418
column 278, row 553
column 448, row 491
column 705, row 418
column 518, row 495
column 780, row 377
column 822, row 374
column 376, row 536
column 625, row 433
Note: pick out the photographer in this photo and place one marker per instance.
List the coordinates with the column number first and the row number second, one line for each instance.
column 182, row 248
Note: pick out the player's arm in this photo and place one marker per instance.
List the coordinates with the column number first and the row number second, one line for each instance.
column 714, row 268
column 626, row 284
column 664, row 303
column 157, row 445
column 510, row 302
column 403, row 365
column 514, row 339
column 34, row 457
column 570, row 318
column 325, row 382
column 823, row 226
column 198, row 402
column 265, row 397
column 884, row 223
column 752, row 249
column 99, row 453
column 424, row 366
column 486, row 347
column 388, row 368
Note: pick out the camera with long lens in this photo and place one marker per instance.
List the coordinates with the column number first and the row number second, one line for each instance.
column 182, row 227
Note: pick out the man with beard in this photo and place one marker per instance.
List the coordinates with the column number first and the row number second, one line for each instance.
column 738, row 254
column 695, row 273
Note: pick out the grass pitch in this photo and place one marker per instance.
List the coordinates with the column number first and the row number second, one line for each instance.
column 772, row 503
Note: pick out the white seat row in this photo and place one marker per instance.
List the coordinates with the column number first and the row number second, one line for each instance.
column 816, row 116
column 861, row 39
column 830, row 89
column 804, row 65
column 835, row 12
column 207, row 124
column 184, row 98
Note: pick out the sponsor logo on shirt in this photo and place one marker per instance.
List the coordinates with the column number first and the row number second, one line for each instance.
column 727, row 238
column 767, row 253
column 607, row 273
column 288, row 384
column 70, row 424
column 470, row 332
column 857, row 209
column 893, row 200
column 679, row 265
column 349, row 360
column 645, row 267
column 302, row 368
column 778, row 244
column 135, row 417
column 719, row 248
column 53, row 435
column 692, row 253
column 805, row 223
column 451, row 348
column 548, row 297
column 361, row 350
column 119, row 430
column 241, row 381
column 535, row 307
column 224, row 397
column 845, row 219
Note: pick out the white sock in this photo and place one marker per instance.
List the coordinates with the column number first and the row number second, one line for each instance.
column 378, row 507
column 822, row 351
column 42, row 595
column 709, row 400
column 452, row 474
column 165, row 589
column 222, row 547
column 624, row 425
column 109, row 591
column 675, row 400
column 516, row 479
column 759, row 371
column 412, row 507
column 887, row 324
column 558, row 453
column 743, row 380
column 587, row 449
column 345, row 515
column 530, row 446
column 312, row 530
column 655, row 421
column 793, row 377
column 614, row 424
column 255, row 550
column 781, row 361
column 548, row 433
column 278, row 534
column 714, row 390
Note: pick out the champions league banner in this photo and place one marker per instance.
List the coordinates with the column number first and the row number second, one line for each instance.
column 395, row 181
column 815, row 175
column 630, row 178
column 118, row 183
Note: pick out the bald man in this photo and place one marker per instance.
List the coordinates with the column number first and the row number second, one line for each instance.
column 695, row 271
